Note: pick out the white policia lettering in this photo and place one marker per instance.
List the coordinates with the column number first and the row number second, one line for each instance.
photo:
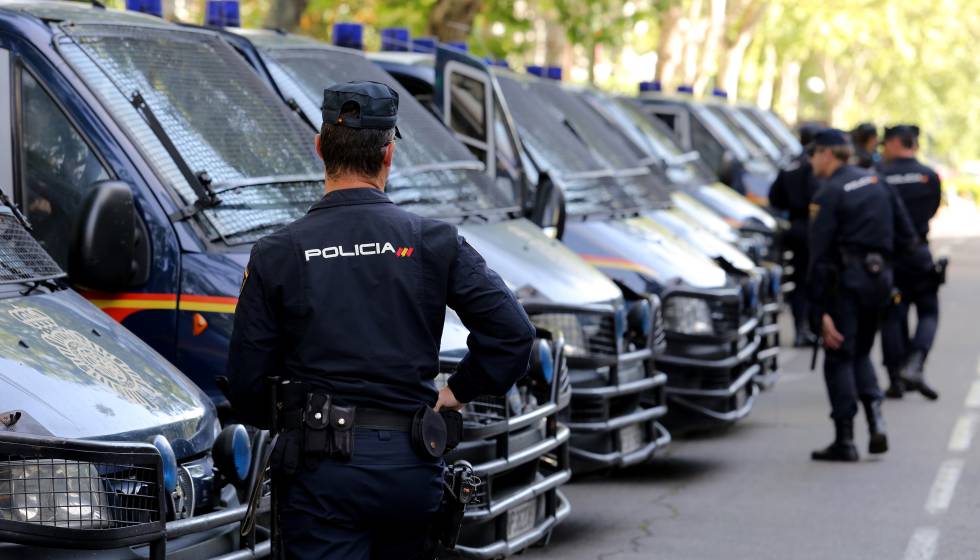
column 905, row 179
column 858, row 183
column 358, row 250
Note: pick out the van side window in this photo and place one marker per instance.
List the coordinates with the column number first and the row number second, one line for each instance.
column 57, row 169
column 468, row 107
column 508, row 164
column 711, row 151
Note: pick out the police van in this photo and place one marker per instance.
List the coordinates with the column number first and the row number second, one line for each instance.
column 705, row 128
column 103, row 443
column 618, row 396
column 642, row 143
column 776, row 130
column 598, row 209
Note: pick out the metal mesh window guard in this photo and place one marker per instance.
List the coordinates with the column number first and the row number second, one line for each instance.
column 220, row 116
column 426, row 140
column 22, row 259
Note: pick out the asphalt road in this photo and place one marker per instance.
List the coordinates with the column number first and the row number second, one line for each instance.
column 752, row 492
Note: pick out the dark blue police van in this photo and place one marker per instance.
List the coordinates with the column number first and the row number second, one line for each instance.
column 599, row 217
column 103, row 443
column 617, row 394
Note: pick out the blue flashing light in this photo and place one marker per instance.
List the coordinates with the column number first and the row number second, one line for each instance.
column 350, row 35
column 460, row 46
column 501, row 63
column 169, row 462
column 546, row 361
column 152, row 7
column 650, row 86
column 535, row 71
column 718, row 92
column 222, row 13
column 553, row 73
column 242, row 448
column 395, row 39
column 424, row 45
column 689, row 90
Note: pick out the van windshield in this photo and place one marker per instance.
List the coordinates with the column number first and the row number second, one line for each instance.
column 22, row 259
column 432, row 171
column 591, row 185
column 220, row 117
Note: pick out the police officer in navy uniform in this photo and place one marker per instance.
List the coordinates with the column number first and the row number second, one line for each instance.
column 920, row 190
column 865, row 140
column 791, row 192
column 348, row 303
column 858, row 224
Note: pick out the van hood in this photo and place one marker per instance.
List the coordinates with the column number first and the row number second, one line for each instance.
column 640, row 257
column 73, row 372
column 537, row 267
column 674, row 222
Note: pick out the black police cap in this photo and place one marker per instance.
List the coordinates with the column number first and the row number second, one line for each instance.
column 830, row 137
column 910, row 131
column 377, row 105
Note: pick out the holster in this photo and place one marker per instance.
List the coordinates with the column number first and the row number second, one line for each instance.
column 429, row 432
column 319, row 430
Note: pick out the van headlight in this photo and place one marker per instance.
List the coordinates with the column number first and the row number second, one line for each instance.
column 687, row 315
column 57, row 494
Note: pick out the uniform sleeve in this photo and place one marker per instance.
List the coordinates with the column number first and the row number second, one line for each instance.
column 254, row 351
column 822, row 243
column 936, row 194
column 501, row 334
column 777, row 192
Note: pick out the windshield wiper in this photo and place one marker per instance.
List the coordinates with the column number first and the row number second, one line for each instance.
column 454, row 165
column 245, row 182
column 200, row 181
column 606, row 173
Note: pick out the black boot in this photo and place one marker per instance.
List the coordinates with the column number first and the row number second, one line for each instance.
column 876, row 427
column 842, row 450
column 896, row 388
column 913, row 376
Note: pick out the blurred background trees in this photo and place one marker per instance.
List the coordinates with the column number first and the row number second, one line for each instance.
column 834, row 61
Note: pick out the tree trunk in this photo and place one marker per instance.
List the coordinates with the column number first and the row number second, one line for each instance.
column 554, row 45
column 707, row 65
column 285, row 14
column 730, row 61
column 789, row 91
column 669, row 45
column 452, row 20
column 694, row 29
column 768, row 86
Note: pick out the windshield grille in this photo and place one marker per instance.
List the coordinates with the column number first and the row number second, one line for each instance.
column 416, row 180
column 220, row 116
column 22, row 259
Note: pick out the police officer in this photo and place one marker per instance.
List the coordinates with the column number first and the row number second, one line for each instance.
column 920, row 190
column 865, row 140
column 852, row 239
column 347, row 303
column 791, row 192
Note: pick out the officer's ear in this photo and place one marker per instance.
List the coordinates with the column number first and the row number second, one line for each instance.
column 389, row 154
column 316, row 145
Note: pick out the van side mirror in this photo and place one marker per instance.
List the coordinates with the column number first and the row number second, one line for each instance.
column 109, row 251
column 549, row 207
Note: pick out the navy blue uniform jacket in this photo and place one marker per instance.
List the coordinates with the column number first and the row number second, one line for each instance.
column 792, row 191
column 919, row 188
column 856, row 212
column 351, row 298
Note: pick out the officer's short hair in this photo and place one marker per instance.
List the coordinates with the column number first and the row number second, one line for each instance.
column 843, row 153
column 347, row 150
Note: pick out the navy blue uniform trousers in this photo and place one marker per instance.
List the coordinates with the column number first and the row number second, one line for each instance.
column 377, row 506
column 848, row 371
column 896, row 341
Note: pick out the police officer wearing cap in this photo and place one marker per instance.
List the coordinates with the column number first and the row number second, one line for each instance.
column 347, row 305
column 791, row 192
column 858, row 224
column 916, row 278
column 865, row 140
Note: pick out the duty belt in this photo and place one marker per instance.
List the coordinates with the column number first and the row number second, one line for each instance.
column 369, row 418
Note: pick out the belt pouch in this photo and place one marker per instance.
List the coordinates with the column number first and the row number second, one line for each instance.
column 342, row 431
column 429, row 433
column 454, row 428
column 316, row 420
column 874, row 263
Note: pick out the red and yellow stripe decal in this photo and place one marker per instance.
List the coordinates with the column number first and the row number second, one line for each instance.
column 618, row 264
column 122, row 305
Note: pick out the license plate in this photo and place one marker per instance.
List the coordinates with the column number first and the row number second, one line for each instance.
column 631, row 438
column 521, row 519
